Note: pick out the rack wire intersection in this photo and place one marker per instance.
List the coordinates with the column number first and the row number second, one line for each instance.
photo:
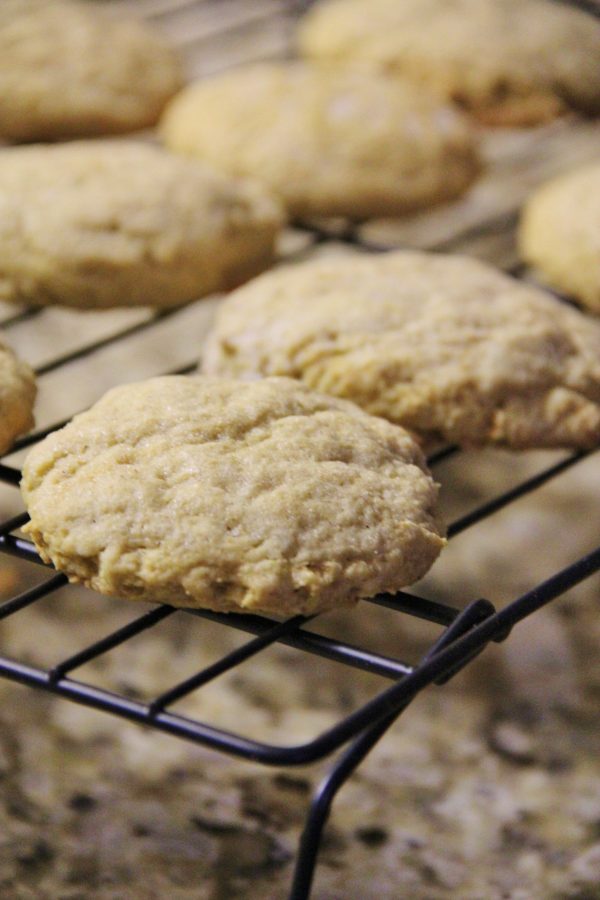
column 464, row 634
column 464, row 631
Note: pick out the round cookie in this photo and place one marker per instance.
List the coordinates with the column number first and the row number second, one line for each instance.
column 17, row 395
column 444, row 345
column 70, row 70
column 560, row 234
column 117, row 223
column 326, row 143
column 249, row 496
column 508, row 62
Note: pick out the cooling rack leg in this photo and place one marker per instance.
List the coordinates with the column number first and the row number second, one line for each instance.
column 321, row 804
column 354, row 755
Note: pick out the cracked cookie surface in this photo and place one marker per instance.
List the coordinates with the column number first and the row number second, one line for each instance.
column 122, row 223
column 446, row 346
column 327, row 143
column 508, row 62
column 70, row 70
column 251, row 496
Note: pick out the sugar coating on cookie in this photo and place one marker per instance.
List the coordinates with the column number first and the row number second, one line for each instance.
column 509, row 62
column 70, row 70
column 560, row 234
column 248, row 496
column 446, row 346
column 17, row 395
column 120, row 223
column 327, row 143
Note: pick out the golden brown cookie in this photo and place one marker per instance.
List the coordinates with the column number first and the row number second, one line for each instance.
column 444, row 345
column 117, row 223
column 69, row 69
column 17, row 395
column 250, row 496
column 509, row 62
column 560, row 234
column 326, row 143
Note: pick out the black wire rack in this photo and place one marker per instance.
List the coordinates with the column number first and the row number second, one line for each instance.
column 458, row 634
column 464, row 633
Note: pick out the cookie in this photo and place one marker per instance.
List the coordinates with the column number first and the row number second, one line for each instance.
column 326, row 143
column 508, row 62
column 249, row 496
column 118, row 223
column 70, row 70
column 17, row 395
column 560, row 234
column 444, row 345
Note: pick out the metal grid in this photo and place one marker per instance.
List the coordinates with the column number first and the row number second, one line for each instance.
column 465, row 632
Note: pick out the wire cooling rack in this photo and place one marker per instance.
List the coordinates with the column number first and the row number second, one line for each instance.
column 457, row 635
column 464, row 633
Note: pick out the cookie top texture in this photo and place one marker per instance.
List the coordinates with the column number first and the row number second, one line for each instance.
column 327, row 143
column 508, row 62
column 560, row 234
column 70, row 69
column 17, row 395
column 446, row 346
column 124, row 223
column 251, row 496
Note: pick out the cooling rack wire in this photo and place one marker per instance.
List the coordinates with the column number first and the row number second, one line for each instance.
column 238, row 31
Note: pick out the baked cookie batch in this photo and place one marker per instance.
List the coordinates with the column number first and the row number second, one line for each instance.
column 289, row 476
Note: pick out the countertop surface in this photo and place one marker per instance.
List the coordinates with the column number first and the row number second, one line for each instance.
column 488, row 787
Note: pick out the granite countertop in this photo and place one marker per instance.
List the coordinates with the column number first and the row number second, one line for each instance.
column 486, row 788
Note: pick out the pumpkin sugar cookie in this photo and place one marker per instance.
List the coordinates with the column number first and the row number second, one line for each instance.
column 327, row 143
column 560, row 234
column 236, row 496
column 97, row 224
column 69, row 69
column 507, row 62
column 17, row 395
column 446, row 346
